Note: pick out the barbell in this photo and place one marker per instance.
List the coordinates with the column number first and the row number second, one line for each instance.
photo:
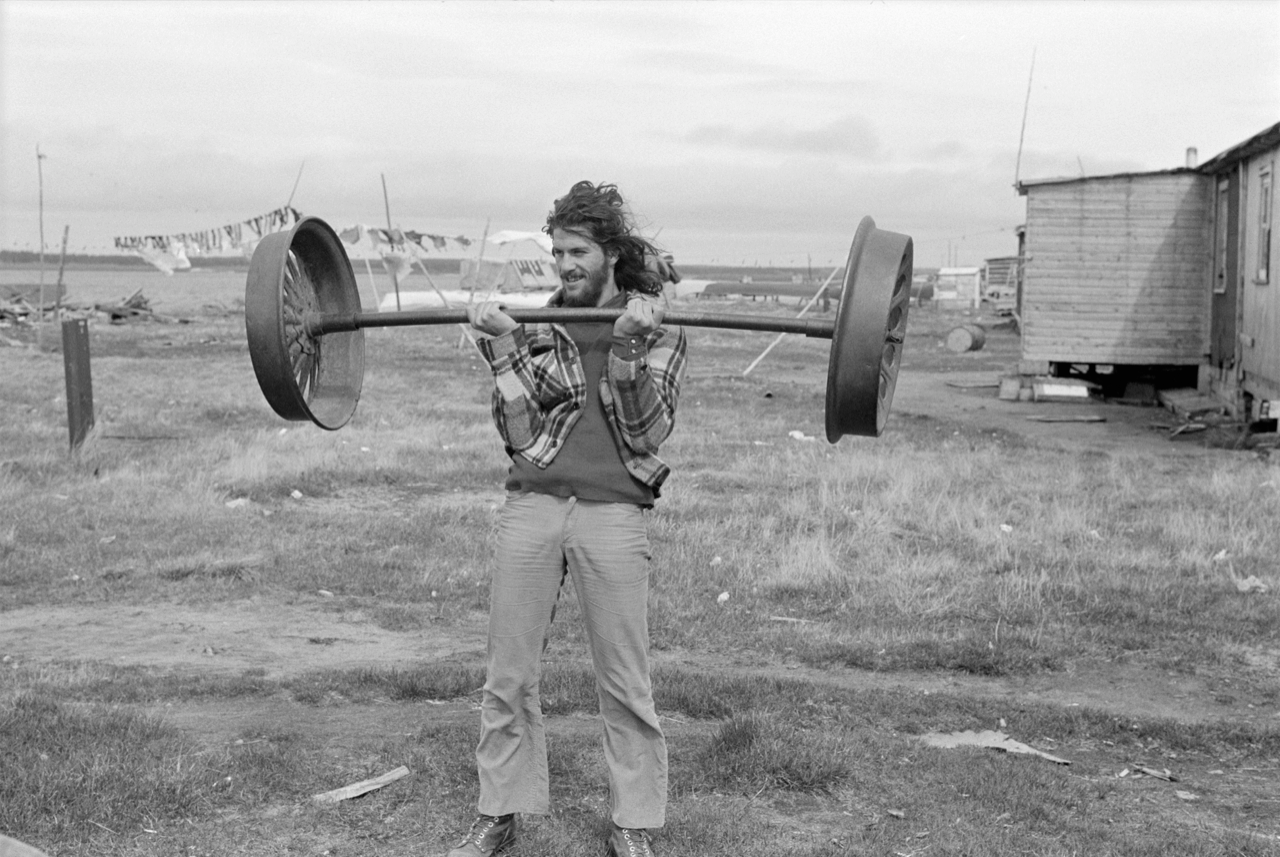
column 306, row 328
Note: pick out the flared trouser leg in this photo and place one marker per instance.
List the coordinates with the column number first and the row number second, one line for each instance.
column 527, row 571
column 605, row 548
column 608, row 556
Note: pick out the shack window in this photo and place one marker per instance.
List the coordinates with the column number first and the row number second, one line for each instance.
column 1264, row 225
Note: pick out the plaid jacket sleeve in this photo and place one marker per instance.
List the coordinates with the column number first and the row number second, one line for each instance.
column 538, row 380
column 642, row 394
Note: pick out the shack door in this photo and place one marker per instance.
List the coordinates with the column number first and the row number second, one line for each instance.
column 1226, row 267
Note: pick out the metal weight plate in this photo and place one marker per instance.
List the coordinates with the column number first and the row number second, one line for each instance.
column 304, row 377
column 871, row 324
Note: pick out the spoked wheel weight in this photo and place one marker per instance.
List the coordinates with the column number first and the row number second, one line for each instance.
column 295, row 275
column 871, row 326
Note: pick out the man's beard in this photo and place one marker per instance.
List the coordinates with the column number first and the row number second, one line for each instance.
column 587, row 294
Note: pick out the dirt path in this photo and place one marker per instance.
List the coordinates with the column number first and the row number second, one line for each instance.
column 961, row 397
column 284, row 641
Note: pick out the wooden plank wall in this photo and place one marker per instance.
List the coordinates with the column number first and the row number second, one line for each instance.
column 1117, row 271
column 1260, row 317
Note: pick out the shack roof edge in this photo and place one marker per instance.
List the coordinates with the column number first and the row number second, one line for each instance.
column 1028, row 183
column 1263, row 140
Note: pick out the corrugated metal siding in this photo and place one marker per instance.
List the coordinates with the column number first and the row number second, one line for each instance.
column 1117, row 271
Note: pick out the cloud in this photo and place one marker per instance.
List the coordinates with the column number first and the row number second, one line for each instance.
column 700, row 61
column 851, row 136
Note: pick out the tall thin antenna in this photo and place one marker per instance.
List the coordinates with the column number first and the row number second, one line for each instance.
column 1017, row 168
column 40, row 178
column 386, row 202
column 295, row 185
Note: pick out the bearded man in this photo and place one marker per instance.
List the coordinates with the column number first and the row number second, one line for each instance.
column 582, row 408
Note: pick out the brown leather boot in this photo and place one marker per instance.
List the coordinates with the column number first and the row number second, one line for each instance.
column 489, row 835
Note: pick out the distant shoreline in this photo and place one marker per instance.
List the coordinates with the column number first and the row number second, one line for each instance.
column 25, row 260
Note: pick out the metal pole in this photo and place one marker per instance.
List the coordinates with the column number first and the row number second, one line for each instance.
column 475, row 283
column 386, row 202
column 1017, row 165
column 40, row 179
column 289, row 204
column 821, row 291
column 317, row 324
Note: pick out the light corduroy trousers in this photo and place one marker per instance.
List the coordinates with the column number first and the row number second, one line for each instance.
column 605, row 547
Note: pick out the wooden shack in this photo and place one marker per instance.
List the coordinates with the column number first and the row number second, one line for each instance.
column 1113, row 272
column 1243, row 285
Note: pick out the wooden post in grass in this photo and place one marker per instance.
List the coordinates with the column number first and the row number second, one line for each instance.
column 75, row 357
column 62, row 263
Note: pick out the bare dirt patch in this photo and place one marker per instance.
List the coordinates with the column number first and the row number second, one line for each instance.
column 281, row 640
column 971, row 397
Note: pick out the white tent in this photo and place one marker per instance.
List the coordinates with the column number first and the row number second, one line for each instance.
column 520, row 262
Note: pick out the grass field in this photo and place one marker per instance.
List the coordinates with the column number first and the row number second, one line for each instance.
column 208, row 615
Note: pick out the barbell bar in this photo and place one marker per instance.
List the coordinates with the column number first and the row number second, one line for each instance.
column 306, row 329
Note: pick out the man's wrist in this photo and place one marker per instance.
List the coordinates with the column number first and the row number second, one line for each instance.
column 629, row 346
column 498, row 348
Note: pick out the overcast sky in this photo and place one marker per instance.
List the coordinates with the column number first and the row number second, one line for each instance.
column 756, row 132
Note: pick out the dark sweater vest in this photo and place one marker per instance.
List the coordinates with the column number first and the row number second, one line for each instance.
column 588, row 466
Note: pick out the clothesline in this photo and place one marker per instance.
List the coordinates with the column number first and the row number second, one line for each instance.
column 232, row 236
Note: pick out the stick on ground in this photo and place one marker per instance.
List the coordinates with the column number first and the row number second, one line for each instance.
column 357, row 789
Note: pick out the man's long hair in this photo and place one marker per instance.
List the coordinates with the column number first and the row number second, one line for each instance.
column 598, row 212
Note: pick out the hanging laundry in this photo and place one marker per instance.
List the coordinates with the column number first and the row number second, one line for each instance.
column 169, row 252
column 166, row 256
column 398, row 265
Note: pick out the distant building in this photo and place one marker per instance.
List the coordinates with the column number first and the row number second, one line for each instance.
column 1244, row 293
column 1002, row 283
column 958, row 287
column 1166, row 275
column 1113, row 272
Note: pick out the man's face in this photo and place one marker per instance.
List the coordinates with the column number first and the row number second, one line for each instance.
column 586, row 271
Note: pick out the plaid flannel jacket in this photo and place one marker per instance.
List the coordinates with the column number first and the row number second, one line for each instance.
column 540, row 390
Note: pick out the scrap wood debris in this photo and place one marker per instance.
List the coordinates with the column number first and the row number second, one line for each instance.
column 17, row 311
column 989, row 739
column 134, row 307
column 1067, row 418
column 357, row 789
column 1142, row 771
